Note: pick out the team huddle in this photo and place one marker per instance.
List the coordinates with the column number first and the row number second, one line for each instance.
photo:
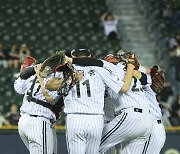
column 107, row 101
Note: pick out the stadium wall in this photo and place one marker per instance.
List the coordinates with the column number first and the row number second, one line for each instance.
column 10, row 143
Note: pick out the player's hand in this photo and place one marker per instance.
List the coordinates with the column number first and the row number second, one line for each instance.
column 68, row 60
column 133, row 60
column 37, row 68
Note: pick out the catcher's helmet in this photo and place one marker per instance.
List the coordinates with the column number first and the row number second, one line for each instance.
column 81, row 50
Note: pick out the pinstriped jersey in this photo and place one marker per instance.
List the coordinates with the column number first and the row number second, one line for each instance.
column 23, row 86
column 135, row 96
column 87, row 96
column 151, row 95
column 108, row 107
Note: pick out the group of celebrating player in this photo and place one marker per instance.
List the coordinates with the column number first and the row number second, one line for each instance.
column 107, row 102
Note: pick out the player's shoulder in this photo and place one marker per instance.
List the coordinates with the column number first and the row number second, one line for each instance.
column 108, row 65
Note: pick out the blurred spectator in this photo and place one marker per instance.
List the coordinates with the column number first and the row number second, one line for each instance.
column 13, row 56
column 13, row 115
column 166, row 99
column 3, row 60
column 23, row 52
column 110, row 23
column 175, row 61
column 175, row 4
column 3, row 121
column 172, row 42
column 175, row 112
column 167, row 11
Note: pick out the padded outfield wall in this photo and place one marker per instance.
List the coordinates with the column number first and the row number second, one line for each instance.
column 10, row 143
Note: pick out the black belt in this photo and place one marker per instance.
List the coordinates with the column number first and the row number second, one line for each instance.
column 34, row 115
column 159, row 121
column 51, row 120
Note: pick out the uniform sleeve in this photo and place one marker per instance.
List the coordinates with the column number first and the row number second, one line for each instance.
column 149, row 80
column 142, row 69
column 20, row 86
column 110, row 79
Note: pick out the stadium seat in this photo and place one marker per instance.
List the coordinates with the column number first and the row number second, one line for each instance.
column 47, row 26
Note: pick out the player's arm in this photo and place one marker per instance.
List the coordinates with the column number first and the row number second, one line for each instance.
column 85, row 61
column 53, row 84
column 132, row 64
column 113, row 81
column 27, row 72
column 20, row 86
column 128, row 78
column 141, row 76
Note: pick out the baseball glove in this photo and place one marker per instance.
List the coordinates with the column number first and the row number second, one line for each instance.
column 70, row 78
column 51, row 63
column 158, row 79
column 28, row 61
column 128, row 57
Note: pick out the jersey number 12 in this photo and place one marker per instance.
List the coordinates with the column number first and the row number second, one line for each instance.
column 85, row 83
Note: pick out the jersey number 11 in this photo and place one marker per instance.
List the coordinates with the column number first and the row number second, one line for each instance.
column 85, row 83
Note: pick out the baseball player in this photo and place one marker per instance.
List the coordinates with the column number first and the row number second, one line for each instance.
column 132, row 124
column 109, row 114
column 37, row 114
column 84, row 105
column 158, row 135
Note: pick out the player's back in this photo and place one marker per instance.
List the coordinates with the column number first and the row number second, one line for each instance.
column 31, row 88
column 151, row 96
column 135, row 96
column 87, row 96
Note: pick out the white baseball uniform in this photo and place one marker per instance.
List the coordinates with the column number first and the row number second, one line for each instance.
column 36, row 122
column 109, row 114
column 157, row 138
column 84, row 108
column 132, row 124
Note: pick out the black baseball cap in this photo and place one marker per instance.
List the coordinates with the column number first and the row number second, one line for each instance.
column 80, row 49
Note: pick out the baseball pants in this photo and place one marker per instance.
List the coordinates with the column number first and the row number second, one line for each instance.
column 83, row 133
column 112, row 149
column 37, row 134
column 156, row 140
column 130, row 128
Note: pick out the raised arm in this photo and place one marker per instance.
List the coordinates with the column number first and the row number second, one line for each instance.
column 53, row 84
column 128, row 78
column 132, row 64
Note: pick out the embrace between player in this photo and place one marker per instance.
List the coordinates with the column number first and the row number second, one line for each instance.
column 84, row 103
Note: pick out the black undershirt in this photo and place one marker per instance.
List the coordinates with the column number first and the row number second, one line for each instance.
column 143, row 79
column 87, row 62
column 25, row 74
column 94, row 62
